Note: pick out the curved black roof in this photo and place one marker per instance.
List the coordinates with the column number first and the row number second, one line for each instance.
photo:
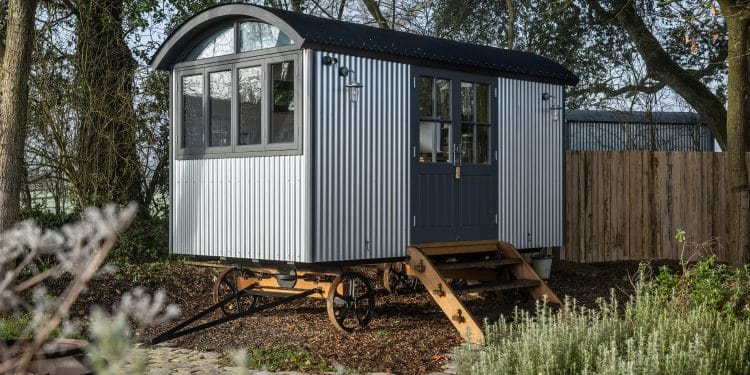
column 316, row 32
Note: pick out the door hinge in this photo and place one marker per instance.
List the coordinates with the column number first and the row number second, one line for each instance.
column 414, row 151
column 495, row 218
column 414, row 82
column 414, row 221
column 496, row 92
column 496, row 155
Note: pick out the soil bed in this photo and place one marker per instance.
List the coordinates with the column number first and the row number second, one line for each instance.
column 409, row 334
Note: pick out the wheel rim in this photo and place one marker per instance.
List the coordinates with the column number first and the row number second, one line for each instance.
column 396, row 281
column 351, row 302
column 226, row 285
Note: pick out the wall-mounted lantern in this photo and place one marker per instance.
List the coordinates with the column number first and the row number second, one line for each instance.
column 353, row 86
column 556, row 109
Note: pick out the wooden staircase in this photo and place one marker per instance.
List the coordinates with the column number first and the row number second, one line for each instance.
column 472, row 261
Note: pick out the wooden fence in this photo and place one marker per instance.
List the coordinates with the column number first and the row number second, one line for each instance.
column 628, row 205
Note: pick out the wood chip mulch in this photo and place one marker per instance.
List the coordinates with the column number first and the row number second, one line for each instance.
column 408, row 335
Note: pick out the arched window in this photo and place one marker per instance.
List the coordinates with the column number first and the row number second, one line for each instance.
column 253, row 36
column 258, row 35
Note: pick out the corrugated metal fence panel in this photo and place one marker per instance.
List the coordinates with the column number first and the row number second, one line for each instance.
column 241, row 207
column 361, row 160
column 609, row 136
column 531, row 164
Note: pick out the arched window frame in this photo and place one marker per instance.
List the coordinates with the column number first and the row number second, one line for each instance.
column 233, row 62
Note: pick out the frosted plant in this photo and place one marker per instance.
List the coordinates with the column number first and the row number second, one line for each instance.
column 79, row 249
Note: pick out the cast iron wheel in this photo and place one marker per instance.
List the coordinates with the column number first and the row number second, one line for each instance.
column 351, row 302
column 396, row 281
column 227, row 285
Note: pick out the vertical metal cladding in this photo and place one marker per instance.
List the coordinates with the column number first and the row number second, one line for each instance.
column 638, row 136
column 245, row 207
column 241, row 208
column 361, row 187
column 531, row 176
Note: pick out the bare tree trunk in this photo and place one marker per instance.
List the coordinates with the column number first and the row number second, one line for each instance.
column 14, row 93
column 108, row 168
column 511, row 24
column 737, row 119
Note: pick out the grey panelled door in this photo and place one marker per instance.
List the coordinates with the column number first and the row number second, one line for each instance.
column 454, row 171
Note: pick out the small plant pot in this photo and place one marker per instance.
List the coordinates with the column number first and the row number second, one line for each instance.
column 542, row 264
column 58, row 356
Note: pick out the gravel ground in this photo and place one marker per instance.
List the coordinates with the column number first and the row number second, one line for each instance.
column 408, row 335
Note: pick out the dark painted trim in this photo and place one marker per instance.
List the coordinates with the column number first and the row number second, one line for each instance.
column 566, row 144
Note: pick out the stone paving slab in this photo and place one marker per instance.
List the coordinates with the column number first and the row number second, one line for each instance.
column 162, row 359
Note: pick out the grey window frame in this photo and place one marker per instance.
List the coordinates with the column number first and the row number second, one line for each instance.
column 207, row 92
column 195, row 150
column 263, row 58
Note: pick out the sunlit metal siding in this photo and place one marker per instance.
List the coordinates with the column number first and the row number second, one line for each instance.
column 241, row 207
column 530, row 160
column 361, row 188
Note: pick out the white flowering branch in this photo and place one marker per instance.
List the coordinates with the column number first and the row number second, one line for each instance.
column 80, row 249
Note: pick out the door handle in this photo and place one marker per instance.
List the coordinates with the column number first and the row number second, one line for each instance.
column 457, row 156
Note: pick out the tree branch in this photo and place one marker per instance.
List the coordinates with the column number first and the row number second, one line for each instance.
column 374, row 8
column 663, row 68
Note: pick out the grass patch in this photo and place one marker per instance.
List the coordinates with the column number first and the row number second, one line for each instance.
column 14, row 326
column 383, row 334
column 286, row 358
column 663, row 329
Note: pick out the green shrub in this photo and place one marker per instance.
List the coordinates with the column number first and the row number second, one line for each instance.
column 706, row 283
column 146, row 240
column 665, row 328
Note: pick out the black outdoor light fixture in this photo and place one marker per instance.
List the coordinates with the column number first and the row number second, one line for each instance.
column 556, row 109
column 353, row 86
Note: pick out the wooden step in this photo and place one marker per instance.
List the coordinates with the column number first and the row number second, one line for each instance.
column 459, row 247
column 494, row 263
column 495, row 286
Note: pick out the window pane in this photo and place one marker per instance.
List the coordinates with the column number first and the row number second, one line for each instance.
column 426, row 141
column 192, row 111
column 219, row 43
column 219, row 108
column 250, row 101
column 282, row 115
column 483, row 103
column 444, row 143
column 443, row 88
column 467, row 144
column 467, row 101
column 425, row 97
column 483, row 144
column 258, row 35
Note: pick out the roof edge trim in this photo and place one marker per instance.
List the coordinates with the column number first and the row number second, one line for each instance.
column 173, row 47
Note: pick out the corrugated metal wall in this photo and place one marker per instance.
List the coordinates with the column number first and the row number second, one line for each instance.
column 531, row 164
column 241, row 207
column 248, row 207
column 607, row 136
column 361, row 160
